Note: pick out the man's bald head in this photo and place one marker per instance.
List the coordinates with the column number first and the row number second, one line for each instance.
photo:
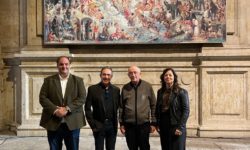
column 134, row 73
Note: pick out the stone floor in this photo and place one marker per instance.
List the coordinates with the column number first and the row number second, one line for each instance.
column 12, row 142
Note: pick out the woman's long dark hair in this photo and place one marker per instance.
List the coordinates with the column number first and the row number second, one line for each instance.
column 176, row 86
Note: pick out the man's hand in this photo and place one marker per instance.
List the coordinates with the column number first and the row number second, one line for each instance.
column 152, row 129
column 157, row 128
column 178, row 132
column 61, row 112
column 122, row 129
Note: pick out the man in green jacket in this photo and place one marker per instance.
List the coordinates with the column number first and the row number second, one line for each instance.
column 62, row 97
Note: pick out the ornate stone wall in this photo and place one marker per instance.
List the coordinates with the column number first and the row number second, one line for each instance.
column 215, row 75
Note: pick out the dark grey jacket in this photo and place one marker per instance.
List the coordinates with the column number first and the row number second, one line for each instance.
column 137, row 104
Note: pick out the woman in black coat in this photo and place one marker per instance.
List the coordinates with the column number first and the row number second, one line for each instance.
column 172, row 111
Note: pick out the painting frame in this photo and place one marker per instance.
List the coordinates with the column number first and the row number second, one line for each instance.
column 84, row 22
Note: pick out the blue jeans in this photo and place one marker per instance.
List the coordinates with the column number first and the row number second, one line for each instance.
column 70, row 137
column 107, row 133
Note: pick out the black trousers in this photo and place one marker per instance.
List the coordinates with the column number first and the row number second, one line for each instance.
column 137, row 136
column 170, row 141
column 108, row 134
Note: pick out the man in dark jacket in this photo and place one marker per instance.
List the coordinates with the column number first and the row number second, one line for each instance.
column 62, row 97
column 101, row 110
column 137, row 111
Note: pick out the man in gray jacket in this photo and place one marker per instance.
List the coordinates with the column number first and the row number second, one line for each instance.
column 137, row 112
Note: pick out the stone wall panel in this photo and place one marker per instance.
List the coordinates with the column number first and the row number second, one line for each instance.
column 225, row 99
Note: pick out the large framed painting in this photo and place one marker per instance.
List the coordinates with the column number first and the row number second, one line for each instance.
column 134, row 21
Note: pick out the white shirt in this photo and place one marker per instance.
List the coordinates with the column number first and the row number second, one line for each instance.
column 64, row 82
